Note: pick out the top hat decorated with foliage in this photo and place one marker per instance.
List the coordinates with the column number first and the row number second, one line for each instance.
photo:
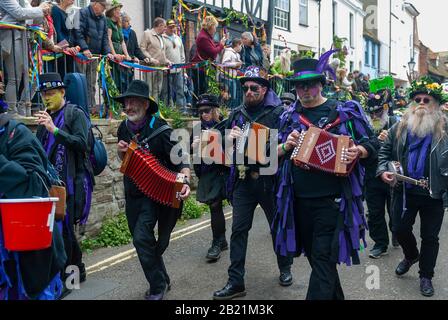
column 429, row 86
column 377, row 102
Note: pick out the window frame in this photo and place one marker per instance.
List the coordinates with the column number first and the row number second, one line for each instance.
column 307, row 6
column 277, row 9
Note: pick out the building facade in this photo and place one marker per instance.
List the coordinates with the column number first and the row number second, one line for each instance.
column 390, row 39
column 305, row 25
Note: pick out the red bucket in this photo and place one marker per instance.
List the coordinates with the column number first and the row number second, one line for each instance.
column 28, row 223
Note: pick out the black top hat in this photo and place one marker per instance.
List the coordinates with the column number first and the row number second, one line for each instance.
column 139, row 89
column 208, row 100
column 376, row 102
column 305, row 71
column 256, row 74
column 50, row 81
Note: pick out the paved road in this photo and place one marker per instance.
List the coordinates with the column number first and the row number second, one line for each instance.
column 194, row 279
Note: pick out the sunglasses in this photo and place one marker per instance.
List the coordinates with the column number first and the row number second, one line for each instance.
column 287, row 103
column 425, row 100
column 207, row 111
column 251, row 88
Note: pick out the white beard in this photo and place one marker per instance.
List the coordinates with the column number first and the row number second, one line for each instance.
column 422, row 123
column 379, row 124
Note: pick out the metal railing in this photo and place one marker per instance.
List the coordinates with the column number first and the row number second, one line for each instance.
column 181, row 87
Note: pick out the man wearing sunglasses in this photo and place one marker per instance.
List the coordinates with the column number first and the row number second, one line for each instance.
column 318, row 212
column 247, row 188
column 420, row 144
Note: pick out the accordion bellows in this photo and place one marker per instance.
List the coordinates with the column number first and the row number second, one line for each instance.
column 151, row 177
column 323, row 151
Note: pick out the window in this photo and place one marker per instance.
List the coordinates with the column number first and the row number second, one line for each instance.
column 366, row 52
column 352, row 29
column 303, row 12
column 371, row 54
column 278, row 50
column 281, row 14
column 82, row 3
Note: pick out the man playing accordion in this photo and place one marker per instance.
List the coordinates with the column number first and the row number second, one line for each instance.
column 153, row 135
column 321, row 213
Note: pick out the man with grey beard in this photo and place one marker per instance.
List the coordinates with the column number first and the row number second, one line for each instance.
column 419, row 143
column 377, row 193
column 143, row 213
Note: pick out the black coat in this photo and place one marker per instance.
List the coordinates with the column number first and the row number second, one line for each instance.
column 393, row 149
column 74, row 136
column 133, row 47
column 22, row 159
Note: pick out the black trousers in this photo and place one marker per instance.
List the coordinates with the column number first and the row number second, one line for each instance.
column 378, row 198
column 431, row 217
column 218, row 221
column 248, row 194
column 317, row 221
column 143, row 214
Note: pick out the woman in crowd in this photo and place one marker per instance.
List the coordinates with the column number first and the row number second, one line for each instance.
column 252, row 53
column 206, row 49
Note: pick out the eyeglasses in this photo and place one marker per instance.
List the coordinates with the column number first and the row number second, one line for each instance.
column 425, row 100
column 251, row 88
column 207, row 111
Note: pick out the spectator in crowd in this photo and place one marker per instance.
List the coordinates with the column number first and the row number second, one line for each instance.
column 26, row 275
column 64, row 35
column 365, row 83
column 175, row 52
column 266, row 56
column 130, row 38
column 252, row 53
column 153, row 46
column 231, row 60
column 206, row 49
column 282, row 69
column 92, row 39
column 13, row 45
column 134, row 51
column 117, row 44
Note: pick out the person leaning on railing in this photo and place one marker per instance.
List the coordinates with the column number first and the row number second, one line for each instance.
column 13, row 47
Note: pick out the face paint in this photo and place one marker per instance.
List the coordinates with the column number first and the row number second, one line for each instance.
column 312, row 91
column 53, row 102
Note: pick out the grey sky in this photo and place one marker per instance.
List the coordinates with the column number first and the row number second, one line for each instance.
column 431, row 23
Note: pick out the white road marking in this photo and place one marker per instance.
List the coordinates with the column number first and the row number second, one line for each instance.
column 130, row 254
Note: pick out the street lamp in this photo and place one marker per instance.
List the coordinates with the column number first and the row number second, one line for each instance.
column 411, row 65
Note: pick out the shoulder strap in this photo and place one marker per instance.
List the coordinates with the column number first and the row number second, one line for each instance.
column 264, row 113
column 155, row 133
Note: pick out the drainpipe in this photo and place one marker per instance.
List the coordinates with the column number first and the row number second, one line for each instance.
column 147, row 14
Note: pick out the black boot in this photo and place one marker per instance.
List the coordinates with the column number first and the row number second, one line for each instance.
column 214, row 253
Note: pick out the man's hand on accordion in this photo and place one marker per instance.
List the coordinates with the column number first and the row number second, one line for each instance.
column 354, row 152
column 122, row 148
column 290, row 143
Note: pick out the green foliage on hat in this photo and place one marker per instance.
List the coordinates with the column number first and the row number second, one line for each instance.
column 428, row 86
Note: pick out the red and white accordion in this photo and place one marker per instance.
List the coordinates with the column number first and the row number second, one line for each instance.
column 151, row 177
column 321, row 150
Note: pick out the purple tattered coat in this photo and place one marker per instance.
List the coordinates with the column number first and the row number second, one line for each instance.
column 352, row 223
